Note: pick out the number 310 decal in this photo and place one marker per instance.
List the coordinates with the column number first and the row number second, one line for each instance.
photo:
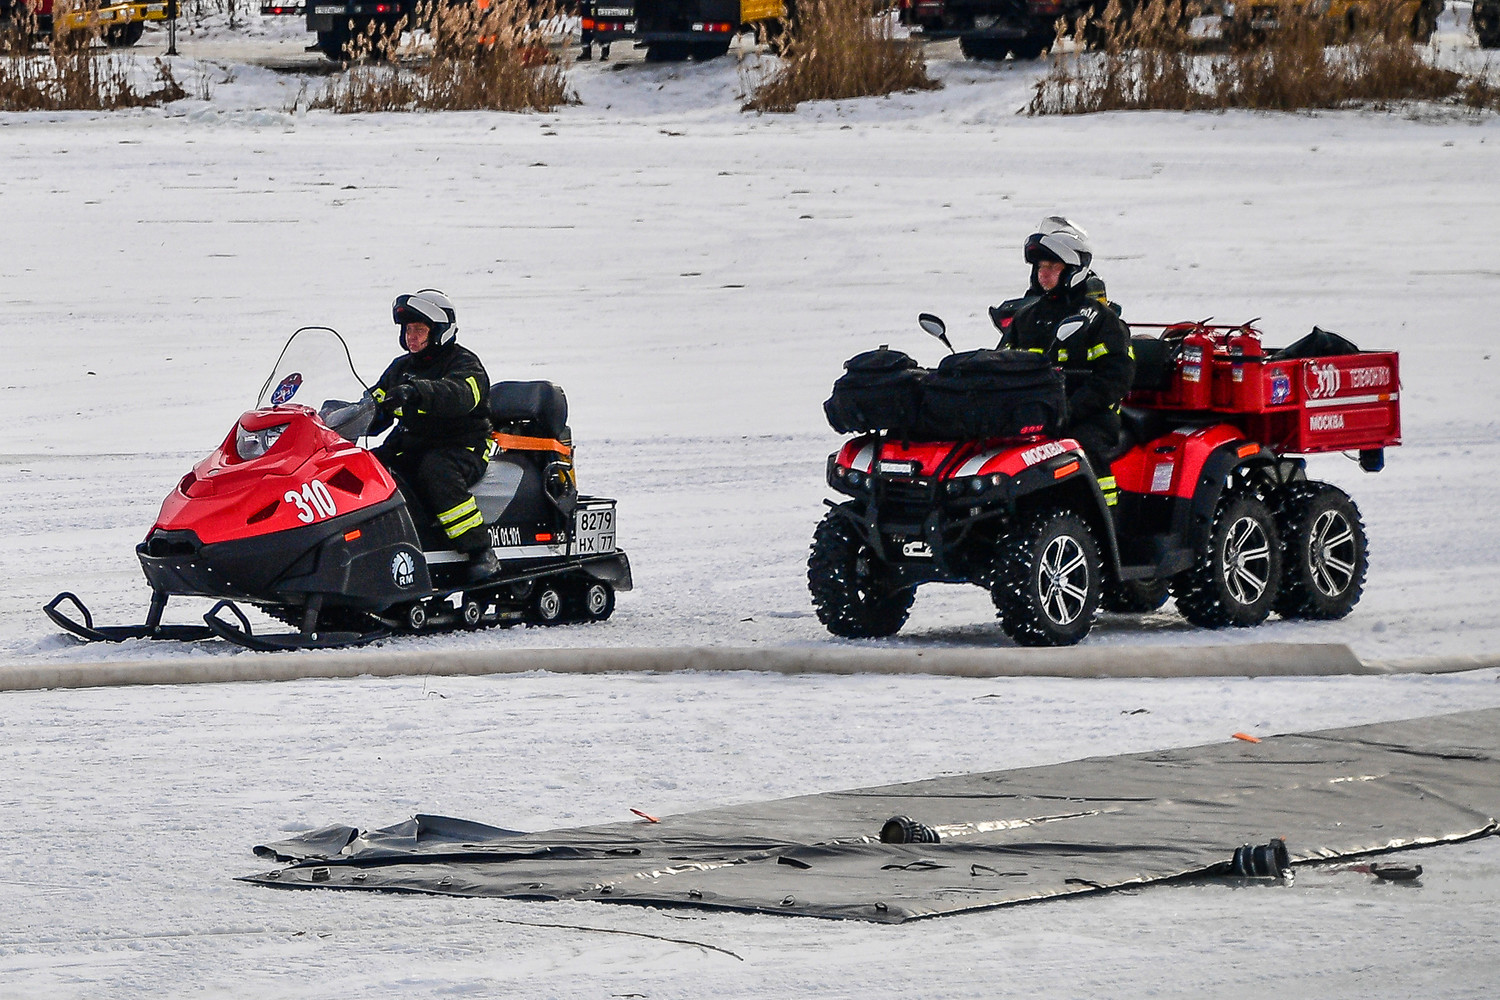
column 313, row 502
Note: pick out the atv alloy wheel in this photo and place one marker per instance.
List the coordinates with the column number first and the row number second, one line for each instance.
column 1324, row 552
column 1234, row 580
column 850, row 588
column 1047, row 580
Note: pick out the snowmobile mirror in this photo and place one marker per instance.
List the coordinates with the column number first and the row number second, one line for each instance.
column 935, row 327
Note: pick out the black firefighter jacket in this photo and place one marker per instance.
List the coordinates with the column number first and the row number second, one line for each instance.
column 453, row 410
column 1086, row 340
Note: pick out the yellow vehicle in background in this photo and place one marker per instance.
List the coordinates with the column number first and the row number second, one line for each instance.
column 119, row 24
column 674, row 30
column 1242, row 21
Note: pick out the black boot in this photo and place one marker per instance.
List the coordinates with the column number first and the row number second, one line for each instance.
column 483, row 565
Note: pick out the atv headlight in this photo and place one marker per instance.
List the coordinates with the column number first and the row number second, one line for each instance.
column 253, row 444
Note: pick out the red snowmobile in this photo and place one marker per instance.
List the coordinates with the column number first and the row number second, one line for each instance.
column 955, row 478
column 290, row 514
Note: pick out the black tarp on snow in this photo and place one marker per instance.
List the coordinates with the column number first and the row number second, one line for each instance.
column 1007, row 836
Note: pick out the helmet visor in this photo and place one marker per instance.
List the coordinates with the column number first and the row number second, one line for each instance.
column 1037, row 250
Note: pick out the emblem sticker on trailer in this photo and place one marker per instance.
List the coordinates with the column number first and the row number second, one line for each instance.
column 1281, row 387
column 403, row 569
column 286, row 389
column 1321, row 380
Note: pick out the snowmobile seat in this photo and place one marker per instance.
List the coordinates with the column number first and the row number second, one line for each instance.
column 530, row 477
column 534, row 409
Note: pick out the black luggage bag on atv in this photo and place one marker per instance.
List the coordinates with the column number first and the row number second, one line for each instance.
column 992, row 394
column 879, row 391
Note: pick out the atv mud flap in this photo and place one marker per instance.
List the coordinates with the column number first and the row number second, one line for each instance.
column 240, row 633
column 153, row 629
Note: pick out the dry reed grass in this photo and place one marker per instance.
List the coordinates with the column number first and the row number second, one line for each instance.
column 835, row 50
column 1151, row 61
column 74, row 75
column 465, row 59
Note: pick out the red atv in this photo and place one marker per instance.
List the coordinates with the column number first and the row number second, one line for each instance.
column 1214, row 506
column 291, row 515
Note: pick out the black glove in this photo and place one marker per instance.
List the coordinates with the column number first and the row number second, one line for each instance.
column 400, row 397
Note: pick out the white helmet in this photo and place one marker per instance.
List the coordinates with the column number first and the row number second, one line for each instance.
column 428, row 306
column 1060, row 240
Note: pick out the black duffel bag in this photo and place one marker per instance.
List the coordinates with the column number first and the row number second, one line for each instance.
column 981, row 394
column 879, row 391
column 1320, row 343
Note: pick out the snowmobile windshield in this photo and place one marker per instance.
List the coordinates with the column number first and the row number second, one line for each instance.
column 316, row 370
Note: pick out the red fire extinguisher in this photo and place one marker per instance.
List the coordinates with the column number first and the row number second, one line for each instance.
column 1194, row 370
column 1247, row 361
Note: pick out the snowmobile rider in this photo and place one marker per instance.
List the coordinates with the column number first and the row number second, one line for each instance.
column 1067, row 321
column 437, row 393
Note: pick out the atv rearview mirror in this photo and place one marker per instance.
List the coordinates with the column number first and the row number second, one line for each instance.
column 936, row 327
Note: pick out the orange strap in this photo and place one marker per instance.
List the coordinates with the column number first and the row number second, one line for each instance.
column 515, row 442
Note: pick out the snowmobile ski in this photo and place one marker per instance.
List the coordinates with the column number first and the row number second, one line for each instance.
column 152, row 629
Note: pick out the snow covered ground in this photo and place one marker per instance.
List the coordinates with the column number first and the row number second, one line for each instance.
column 693, row 276
column 127, row 812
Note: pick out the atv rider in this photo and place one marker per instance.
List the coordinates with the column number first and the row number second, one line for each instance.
column 1068, row 320
column 439, row 392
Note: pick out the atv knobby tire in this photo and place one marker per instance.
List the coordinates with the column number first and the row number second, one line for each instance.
column 1135, row 597
column 850, row 590
column 1047, row 579
column 1324, row 552
column 1235, row 576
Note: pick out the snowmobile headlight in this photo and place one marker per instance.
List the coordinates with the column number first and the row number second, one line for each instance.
column 854, row 478
column 253, row 444
column 954, row 487
column 978, row 485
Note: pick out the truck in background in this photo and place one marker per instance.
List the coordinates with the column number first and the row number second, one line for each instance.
column 993, row 29
column 120, row 25
column 675, row 30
